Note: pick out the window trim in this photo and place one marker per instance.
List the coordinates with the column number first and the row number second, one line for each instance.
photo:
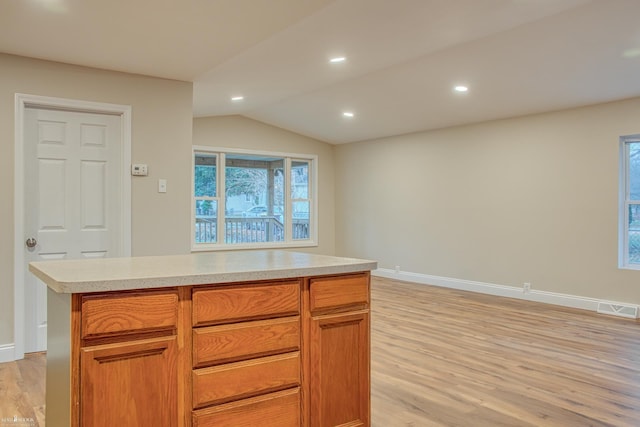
column 624, row 203
column 289, row 188
column 221, row 153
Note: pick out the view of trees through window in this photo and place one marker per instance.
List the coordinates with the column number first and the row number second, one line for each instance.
column 633, row 201
column 206, row 197
column 255, row 207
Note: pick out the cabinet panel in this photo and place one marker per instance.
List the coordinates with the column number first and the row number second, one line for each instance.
column 239, row 380
column 130, row 384
column 281, row 409
column 339, row 367
column 333, row 292
column 227, row 343
column 118, row 314
column 225, row 304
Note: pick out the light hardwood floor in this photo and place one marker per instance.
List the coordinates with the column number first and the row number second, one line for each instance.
column 22, row 392
column 442, row 357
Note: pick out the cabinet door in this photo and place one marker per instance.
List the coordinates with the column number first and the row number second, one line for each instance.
column 130, row 384
column 339, row 367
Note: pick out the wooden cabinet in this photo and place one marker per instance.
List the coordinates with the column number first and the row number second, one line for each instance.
column 253, row 350
column 128, row 359
column 339, row 349
column 280, row 353
column 117, row 379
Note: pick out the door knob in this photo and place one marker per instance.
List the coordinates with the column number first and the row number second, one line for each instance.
column 31, row 242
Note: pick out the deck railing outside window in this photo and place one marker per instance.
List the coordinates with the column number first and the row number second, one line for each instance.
column 249, row 230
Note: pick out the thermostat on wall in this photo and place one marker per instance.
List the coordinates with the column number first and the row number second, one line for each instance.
column 139, row 169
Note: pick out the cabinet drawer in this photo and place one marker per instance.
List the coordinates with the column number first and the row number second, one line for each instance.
column 228, row 343
column 281, row 409
column 333, row 292
column 225, row 304
column 224, row 383
column 115, row 314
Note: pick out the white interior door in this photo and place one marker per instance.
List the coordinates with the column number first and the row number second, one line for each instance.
column 73, row 201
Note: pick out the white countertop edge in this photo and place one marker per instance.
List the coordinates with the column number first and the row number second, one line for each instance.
column 46, row 272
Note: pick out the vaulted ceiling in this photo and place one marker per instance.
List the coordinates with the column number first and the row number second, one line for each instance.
column 402, row 57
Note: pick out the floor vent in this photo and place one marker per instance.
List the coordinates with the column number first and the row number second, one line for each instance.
column 621, row 310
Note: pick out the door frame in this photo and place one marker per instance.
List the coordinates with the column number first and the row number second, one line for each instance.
column 23, row 101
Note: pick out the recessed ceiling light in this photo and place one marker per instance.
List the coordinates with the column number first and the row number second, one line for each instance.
column 57, row 6
column 631, row 53
column 461, row 88
column 237, row 98
column 337, row 59
column 348, row 114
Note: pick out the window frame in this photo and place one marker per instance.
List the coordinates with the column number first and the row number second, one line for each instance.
column 289, row 242
column 195, row 199
column 291, row 200
column 624, row 190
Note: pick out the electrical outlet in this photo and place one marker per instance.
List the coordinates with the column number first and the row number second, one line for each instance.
column 397, row 269
column 526, row 288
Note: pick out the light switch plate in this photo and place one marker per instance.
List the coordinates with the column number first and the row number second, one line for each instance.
column 162, row 186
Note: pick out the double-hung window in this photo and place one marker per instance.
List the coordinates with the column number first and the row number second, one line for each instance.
column 629, row 239
column 246, row 199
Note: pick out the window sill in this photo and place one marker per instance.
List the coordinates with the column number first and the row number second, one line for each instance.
column 235, row 247
column 635, row 267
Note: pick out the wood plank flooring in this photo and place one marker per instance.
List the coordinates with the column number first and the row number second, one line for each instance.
column 442, row 357
column 22, row 388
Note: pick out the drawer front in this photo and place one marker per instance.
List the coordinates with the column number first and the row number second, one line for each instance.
column 334, row 292
column 115, row 314
column 281, row 409
column 229, row 343
column 233, row 381
column 243, row 302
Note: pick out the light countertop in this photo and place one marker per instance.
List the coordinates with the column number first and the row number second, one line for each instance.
column 114, row 274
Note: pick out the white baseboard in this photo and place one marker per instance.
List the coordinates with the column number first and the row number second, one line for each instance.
column 7, row 352
column 565, row 300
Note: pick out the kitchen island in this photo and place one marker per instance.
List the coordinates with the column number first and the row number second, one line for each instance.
column 243, row 338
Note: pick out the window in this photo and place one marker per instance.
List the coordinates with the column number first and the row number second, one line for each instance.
column 244, row 199
column 300, row 198
column 629, row 251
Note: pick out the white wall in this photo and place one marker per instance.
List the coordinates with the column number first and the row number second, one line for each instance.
column 245, row 133
column 161, row 137
column 531, row 199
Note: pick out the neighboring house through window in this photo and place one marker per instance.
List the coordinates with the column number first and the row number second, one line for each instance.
column 253, row 199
